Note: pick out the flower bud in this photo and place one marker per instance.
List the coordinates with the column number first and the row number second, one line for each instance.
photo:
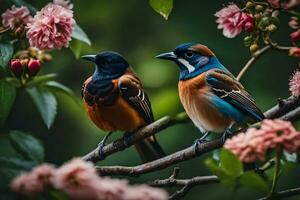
column 272, row 28
column 16, row 67
column 34, row 67
column 249, row 4
column 295, row 36
column 253, row 48
column 259, row 8
column 247, row 41
column 249, row 27
column 295, row 51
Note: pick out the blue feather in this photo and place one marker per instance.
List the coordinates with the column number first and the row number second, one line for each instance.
column 214, row 63
column 227, row 109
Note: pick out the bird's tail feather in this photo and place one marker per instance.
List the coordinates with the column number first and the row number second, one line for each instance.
column 149, row 149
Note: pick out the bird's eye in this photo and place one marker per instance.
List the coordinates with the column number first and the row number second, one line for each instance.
column 189, row 54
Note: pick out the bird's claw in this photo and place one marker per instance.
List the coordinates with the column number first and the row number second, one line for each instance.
column 227, row 134
column 126, row 138
column 101, row 145
column 198, row 141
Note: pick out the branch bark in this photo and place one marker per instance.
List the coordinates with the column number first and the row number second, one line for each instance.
column 257, row 54
column 185, row 154
column 283, row 194
column 123, row 143
column 185, row 184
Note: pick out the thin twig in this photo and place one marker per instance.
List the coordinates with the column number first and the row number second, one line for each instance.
column 252, row 60
column 185, row 184
column 283, row 194
column 257, row 54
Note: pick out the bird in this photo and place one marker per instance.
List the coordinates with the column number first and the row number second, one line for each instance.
column 212, row 97
column 115, row 100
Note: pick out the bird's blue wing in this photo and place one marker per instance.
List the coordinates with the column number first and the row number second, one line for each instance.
column 226, row 87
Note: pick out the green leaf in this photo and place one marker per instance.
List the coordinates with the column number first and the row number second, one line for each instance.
column 76, row 47
column 231, row 163
column 19, row 3
column 45, row 102
column 58, row 87
column 225, row 178
column 80, row 35
column 163, row 7
column 253, row 180
column 11, row 167
column 7, row 98
column 6, row 52
column 26, row 145
column 13, row 81
column 41, row 79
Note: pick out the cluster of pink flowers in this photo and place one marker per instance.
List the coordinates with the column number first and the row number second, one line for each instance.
column 232, row 20
column 79, row 180
column 283, row 4
column 255, row 143
column 51, row 28
column 16, row 16
column 295, row 84
column 64, row 3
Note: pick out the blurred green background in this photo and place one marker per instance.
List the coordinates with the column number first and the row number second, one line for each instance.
column 132, row 28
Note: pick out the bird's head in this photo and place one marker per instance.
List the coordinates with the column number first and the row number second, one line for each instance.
column 192, row 59
column 109, row 65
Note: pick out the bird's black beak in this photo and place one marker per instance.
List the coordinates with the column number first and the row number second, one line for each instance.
column 91, row 58
column 167, row 56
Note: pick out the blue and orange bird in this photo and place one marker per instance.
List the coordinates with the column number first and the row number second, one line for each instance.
column 115, row 100
column 211, row 96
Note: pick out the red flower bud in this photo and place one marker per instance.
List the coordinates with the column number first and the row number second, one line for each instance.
column 295, row 51
column 249, row 27
column 16, row 67
column 295, row 36
column 34, row 67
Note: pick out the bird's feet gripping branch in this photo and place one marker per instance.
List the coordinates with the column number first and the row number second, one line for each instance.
column 200, row 141
column 102, row 144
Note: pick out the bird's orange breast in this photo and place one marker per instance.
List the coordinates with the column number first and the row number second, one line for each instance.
column 120, row 116
column 195, row 97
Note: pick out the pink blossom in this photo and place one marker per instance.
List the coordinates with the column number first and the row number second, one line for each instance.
column 231, row 19
column 274, row 3
column 78, row 179
column 294, row 23
column 64, row 3
column 16, row 16
column 35, row 181
column 144, row 192
column 283, row 134
column 295, row 36
column 295, row 84
column 248, row 146
column 51, row 28
column 283, row 4
column 255, row 143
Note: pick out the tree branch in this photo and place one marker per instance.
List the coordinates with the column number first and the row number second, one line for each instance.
column 257, row 54
column 123, row 143
column 283, row 194
column 179, row 156
column 252, row 60
column 185, row 184
column 284, row 106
